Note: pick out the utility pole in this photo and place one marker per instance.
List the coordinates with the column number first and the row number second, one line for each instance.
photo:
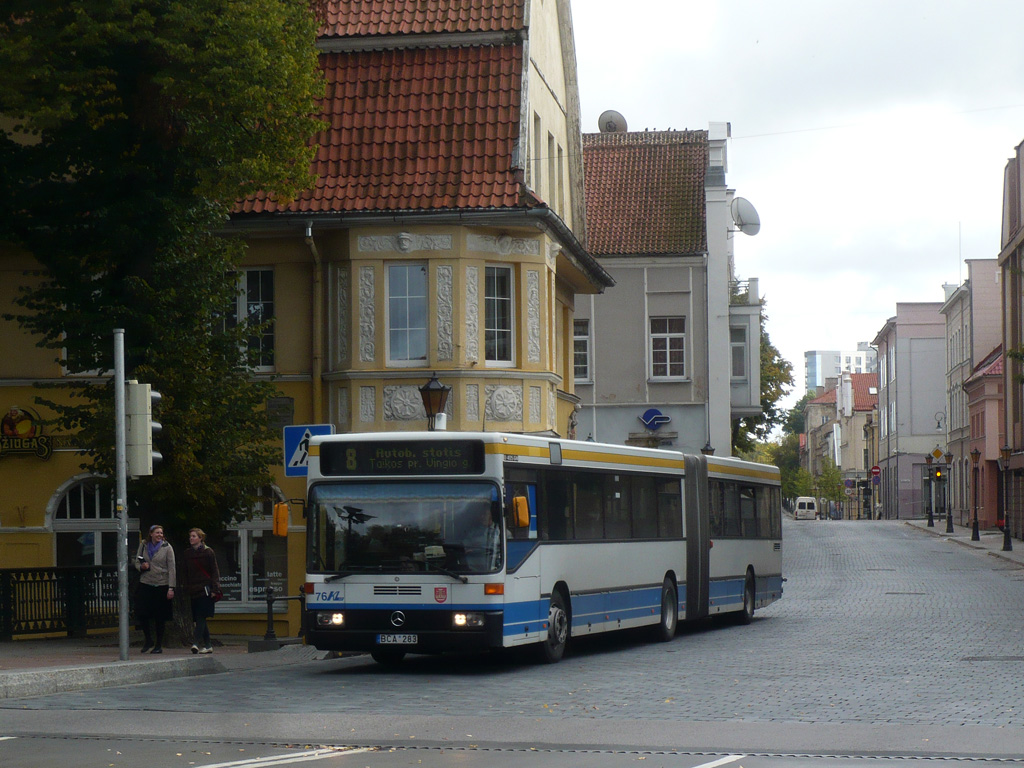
column 121, row 495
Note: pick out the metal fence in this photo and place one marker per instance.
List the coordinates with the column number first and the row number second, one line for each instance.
column 47, row 600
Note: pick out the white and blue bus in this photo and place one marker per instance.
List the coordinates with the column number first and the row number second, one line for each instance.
column 430, row 542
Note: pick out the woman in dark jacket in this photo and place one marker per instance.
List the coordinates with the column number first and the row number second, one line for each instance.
column 202, row 582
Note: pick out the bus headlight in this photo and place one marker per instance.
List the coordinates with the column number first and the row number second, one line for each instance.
column 467, row 620
column 330, row 619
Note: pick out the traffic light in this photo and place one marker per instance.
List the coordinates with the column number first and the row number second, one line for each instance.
column 939, row 474
column 140, row 428
column 281, row 518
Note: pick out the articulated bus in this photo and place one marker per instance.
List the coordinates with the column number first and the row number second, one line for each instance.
column 431, row 542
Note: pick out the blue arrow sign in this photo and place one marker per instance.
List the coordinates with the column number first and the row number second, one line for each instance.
column 296, row 446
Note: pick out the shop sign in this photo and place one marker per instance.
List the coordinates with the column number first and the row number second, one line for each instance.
column 21, row 431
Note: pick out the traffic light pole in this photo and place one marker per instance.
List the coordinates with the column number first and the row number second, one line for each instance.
column 121, row 495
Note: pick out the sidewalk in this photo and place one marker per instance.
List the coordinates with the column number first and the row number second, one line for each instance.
column 991, row 540
column 40, row 667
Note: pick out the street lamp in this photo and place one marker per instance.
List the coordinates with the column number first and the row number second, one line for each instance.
column 975, row 455
column 928, row 458
column 435, row 396
column 1007, row 544
column 949, row 507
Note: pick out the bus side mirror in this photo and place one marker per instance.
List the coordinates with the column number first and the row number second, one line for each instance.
column 520, row 512
column 281, row 518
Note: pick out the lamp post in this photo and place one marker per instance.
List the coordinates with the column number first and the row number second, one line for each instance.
column 928, row 458
column 435, row 396
column 949, row 507
column 975, row 455
column 1005, row 454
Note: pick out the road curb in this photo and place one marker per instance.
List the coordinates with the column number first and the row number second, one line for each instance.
column 41, row 682
column 965, row 543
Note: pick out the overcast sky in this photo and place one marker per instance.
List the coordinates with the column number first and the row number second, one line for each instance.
column 871, row 137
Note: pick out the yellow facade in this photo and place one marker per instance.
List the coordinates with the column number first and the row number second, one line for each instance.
column 333, row 361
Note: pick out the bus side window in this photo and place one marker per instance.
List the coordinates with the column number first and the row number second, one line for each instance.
column 645, row 508
column 670, row 510
column 555, row 524
column 716, row 494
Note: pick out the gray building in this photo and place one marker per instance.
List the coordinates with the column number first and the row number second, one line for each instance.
column 820, row 365
column 972, row 312
column 671, row 355
column 911, row 397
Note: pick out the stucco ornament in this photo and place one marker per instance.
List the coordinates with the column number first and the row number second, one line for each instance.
column 405, row 242
column 504, row 402
column 367, row 290
column 403, row 403
column 445, row 313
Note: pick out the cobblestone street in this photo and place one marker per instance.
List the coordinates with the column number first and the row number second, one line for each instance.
column 880, row 623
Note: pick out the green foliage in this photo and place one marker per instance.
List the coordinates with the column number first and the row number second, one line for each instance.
column 830, row 481
column 794, row 422
column 776, row 380
column 785, row 454
column 130, row 129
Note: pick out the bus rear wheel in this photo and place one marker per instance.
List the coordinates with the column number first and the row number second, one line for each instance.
column 747, row 614
column 666, row 628
column 552, row 648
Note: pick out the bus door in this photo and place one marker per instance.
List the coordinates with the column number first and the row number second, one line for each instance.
column 695, row 490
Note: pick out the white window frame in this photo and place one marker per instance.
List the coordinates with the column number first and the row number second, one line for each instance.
column 738, row 348
column 669, row 337
column 406, row 362
column 242, row 310
column 258, row 526
column 496, row 362
column 583, row 340
column 101, row 520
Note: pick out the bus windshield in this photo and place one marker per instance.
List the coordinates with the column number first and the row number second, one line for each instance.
column 448, row 527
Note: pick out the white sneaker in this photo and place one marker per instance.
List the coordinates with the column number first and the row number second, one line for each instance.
column 195, row 649
column 206, row 650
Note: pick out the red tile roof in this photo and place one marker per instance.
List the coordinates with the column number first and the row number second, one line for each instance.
column 863, row 398
column 992, row 365
column 415, row 129
column 828, row 397
column 350, row 18
column 645, row 192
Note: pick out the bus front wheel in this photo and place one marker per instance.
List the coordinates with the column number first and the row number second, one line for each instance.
column 552, row 648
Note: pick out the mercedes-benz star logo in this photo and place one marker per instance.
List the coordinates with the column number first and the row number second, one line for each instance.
column 398, row 619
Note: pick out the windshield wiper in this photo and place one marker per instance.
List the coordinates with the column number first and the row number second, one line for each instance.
column 352, row 569
column 445, row 571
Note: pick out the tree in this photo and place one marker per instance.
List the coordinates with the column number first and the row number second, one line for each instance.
column 794, row 423
column 785, row 454
column 130, row 130
column 776, row 380
column 830, row 481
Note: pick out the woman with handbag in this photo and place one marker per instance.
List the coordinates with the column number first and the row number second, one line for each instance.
column 202, row 581
column 154, row 600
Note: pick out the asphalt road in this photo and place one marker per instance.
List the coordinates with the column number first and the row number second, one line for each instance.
column 888, row 643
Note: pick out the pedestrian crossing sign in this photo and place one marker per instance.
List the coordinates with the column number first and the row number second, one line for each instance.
column 296, row 446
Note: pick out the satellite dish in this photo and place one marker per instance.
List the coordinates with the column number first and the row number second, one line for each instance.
column 611, row 121
column 745, row 216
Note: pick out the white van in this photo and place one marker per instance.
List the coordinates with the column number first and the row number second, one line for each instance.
column 806, row 508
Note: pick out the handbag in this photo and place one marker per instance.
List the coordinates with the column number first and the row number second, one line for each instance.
column 213, row 592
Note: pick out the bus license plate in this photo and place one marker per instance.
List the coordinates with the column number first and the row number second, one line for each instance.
column 397, row 639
